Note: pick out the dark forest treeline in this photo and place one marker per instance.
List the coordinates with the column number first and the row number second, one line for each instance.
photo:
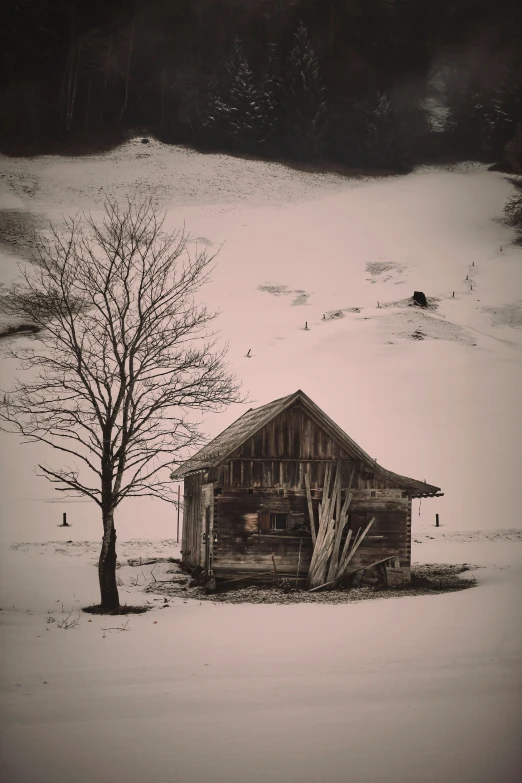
column 368, row 83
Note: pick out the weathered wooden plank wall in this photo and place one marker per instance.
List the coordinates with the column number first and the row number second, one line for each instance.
column 266, row 474
column 392, row 514
column 192, row 517
column 290, row 473
column 282, row 452
column 207, row 506
column 242, row 547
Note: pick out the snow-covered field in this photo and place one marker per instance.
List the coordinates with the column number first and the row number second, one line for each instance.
column 415, row 688
column 411, row 689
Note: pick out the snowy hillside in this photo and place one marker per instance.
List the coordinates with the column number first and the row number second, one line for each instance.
column 430, row 394
column 417, row 689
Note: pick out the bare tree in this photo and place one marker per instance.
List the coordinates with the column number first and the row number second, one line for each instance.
column 123, row 359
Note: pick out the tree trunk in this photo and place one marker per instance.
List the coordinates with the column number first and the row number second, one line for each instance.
column 129, row 58
column 107, row 565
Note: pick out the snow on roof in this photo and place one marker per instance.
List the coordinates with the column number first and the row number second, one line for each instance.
column 254, row 419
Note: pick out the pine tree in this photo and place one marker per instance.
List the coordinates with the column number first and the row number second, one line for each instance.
column 247, row 120
column 303, row 100
column 505, row 109
column 271, row 98
column 471, row 117
column 213, row 118
column 513, row 151
column 235, row 116
column 385, row 144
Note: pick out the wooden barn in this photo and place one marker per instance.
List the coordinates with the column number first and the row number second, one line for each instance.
column 259, row 499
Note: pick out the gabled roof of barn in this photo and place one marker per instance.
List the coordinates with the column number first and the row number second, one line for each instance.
column 234, row 436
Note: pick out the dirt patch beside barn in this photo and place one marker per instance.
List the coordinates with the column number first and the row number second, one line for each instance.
column 426, row 579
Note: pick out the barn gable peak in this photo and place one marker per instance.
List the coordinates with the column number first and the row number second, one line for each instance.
column 253, row 420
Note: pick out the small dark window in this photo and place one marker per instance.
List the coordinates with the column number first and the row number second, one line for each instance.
column 404, row 495
column 278, row 521
column 250, row 491
column 373, row 494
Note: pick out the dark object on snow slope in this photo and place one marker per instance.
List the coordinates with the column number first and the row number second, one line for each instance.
column 420, row 298
column 21, row 329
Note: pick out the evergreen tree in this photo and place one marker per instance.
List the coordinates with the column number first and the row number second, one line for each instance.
column 303, row 101
column 513, row 151
column 234, row 116
column 505, row 110
column 513, row 207
column 468, row 123
column 483, row 117
column 347, row 132
column 385, row 143
column 271, row 98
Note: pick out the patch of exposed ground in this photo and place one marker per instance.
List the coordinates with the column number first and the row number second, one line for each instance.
column 334, row 315
column 124, row 609
column 20, row 179
column 139, row 551
column 378, row 267
column 18, row 228
column 202, row 241
column 20, row 330
column 11, row 324
column 506, row 315
column 17, row 231
column 300, row 297
column 503, row 534
column 426, row 579
column 410, row 321
column 171, row 174
column 418, row 325
column 384, row 270
column 432, row 303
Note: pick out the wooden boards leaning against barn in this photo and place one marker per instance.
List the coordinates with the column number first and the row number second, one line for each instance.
column 329, row 563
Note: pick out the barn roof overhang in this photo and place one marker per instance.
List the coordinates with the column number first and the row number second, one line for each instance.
column 234, row 436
